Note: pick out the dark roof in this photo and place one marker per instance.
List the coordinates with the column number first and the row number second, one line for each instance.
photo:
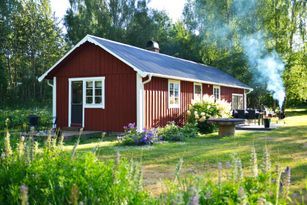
column 161, row 65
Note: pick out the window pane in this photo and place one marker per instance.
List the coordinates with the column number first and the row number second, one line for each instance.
column 98, row 99
column 176, row 93
column 177, row 101
column 89, row 100
column 171, row 86
column 176, row 87
column 89, row 92
column 98, row 91
column 89, row 84
column 197, row 89
column 98, row 84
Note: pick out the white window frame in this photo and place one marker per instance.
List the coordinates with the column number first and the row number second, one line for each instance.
column 93, row 104
column 84, row 105
column 216, row 87
column 237, row 94
column 179, row 95
column 201, row 90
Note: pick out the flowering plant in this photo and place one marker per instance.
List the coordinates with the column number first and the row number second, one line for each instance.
column 200, row 111
column 133, row 137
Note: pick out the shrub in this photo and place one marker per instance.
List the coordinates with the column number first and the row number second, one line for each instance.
column 18, row 118
column 133, row 137
column 171, row 132
column 200, row 111
column 189, row 130
column 57, row 177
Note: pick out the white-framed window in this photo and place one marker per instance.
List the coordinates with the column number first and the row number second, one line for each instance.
column 94, row 92
column 173, row 94
column 216, row 92
column 198, row 91
column 237, row 102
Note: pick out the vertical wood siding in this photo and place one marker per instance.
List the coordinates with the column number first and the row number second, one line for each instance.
column 120, row 88
column 226, row 93
column 157, row 113
column 120, row 92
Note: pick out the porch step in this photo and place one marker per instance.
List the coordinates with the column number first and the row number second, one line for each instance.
column 76, row 129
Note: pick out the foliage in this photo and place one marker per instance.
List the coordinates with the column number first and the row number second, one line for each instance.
column 189, row 130
column 133, row 137
column 116, row 20
column 219, row 27
column 55, row 177
column 18, row 118
column 266, row 188
column 30, row 43
column 200, row 111
column 171, row 132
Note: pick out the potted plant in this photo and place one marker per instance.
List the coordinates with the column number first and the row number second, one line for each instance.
column 267, row 120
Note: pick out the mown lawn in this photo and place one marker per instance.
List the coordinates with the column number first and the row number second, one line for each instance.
column 287, row 144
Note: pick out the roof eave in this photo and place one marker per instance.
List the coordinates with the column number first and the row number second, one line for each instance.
column 200, row 81
column 88, row 38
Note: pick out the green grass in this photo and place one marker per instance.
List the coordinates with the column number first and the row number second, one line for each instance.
column 287, row 144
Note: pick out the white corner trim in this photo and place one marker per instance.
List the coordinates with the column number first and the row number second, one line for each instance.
column 245, row 101
column 140, row 108
column 54, row 117
column 179, row 93
column 84, row 105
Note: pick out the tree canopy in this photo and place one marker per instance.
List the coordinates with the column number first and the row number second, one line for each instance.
column 217, row 33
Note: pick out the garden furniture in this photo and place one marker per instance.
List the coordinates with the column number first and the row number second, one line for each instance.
column 226, row 125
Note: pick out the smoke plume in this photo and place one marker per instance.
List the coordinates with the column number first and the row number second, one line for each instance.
column 266, row 67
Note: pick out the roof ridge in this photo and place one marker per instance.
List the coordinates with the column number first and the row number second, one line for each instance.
column 163, row 54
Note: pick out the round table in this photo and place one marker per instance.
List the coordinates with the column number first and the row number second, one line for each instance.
column 226, row 125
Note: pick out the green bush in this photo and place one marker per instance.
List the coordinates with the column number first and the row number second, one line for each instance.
column 18, row 118
column 189, row 130
column 56, row 177
column 171, row 132
column 200, row 111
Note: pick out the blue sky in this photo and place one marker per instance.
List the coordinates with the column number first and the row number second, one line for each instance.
column 172, row 7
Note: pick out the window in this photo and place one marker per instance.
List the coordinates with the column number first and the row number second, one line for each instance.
column 173, row 94
column 94, row 90
column 237, row 102
column 197, row 91
column 216, row 92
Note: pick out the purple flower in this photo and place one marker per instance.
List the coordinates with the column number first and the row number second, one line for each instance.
column 131, row 125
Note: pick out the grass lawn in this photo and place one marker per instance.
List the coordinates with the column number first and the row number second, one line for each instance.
column 287, row 144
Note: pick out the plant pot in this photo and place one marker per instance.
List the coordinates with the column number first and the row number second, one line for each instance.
column 267, row 123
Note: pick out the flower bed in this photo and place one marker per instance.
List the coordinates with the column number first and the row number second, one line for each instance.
column 200, row 111
column 170, row 132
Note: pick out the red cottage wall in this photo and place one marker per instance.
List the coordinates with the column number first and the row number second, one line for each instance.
column 120, row 88
column 226, row 93
column 157, row 112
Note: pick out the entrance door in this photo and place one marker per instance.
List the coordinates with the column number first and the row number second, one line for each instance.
column 76, row 103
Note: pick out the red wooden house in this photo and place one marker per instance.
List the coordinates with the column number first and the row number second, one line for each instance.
column 104, row 85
